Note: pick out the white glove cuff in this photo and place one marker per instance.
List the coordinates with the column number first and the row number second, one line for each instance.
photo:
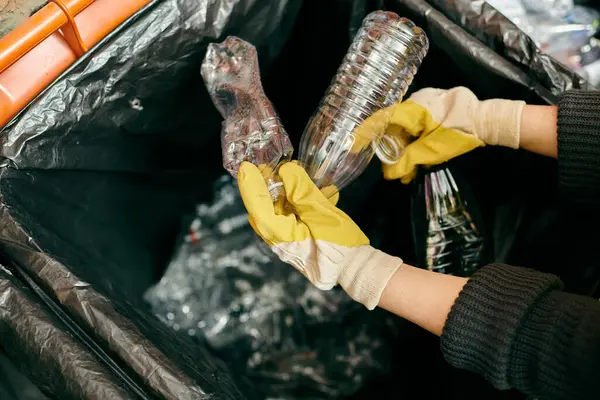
column 367, row 275
column 498, row 122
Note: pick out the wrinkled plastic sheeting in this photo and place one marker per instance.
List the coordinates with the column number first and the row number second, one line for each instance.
column 96, row 172
column 112, row 326
column 475, row 55
column 268, row 321
column 95, row 117
column 59, row 364
column 501, row 35
column 87, row 148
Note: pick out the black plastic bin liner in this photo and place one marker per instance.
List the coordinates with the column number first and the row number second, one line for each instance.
column 498, row 33
column 540, row 230
column 96, row 173
column 135, row 125
column 41, row 345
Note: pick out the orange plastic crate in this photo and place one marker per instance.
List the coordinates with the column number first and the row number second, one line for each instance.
column 35, row 53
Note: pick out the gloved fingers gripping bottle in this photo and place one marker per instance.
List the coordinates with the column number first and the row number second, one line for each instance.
column 251, row 130
column 349, row 127
column 445, row 125
column 337, row 145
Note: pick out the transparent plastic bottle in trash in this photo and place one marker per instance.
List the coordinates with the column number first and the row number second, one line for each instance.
column 453, row 242
column 375, row 73
column 251, row 130
column 336, row 147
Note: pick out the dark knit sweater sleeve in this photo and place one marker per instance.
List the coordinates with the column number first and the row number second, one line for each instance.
column 579, row 146
column 517, row 328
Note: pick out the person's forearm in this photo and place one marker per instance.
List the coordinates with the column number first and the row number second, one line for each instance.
column 539, row 130
column 422, row 297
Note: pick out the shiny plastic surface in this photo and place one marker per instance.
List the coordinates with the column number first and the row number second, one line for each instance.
column 97, row 172
column 134, row 101
column 501, row 33
column 559, row 8
column 39, row 50
column 262, row 316
column 251, row 129
column 454, row 244
column 32, row 334
column 376, row 72
column 560, row 29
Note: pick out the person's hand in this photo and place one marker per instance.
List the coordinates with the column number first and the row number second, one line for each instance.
column 314, row 236
column 446, row 124
column 281, row 204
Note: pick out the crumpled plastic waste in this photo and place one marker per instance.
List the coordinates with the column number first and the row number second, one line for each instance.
column 251, row 129
column 561, row 29
column 263, row 317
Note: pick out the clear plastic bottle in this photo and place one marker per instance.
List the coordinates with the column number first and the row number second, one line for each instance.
column 454, row 244
column 251, row 128
column 376, row 72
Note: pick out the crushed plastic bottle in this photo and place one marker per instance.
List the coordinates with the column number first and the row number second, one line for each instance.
column 251, row 128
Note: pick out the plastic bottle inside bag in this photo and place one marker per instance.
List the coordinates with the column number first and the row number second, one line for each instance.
column 453, row 242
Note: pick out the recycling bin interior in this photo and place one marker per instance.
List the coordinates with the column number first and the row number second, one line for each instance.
column 97, row 172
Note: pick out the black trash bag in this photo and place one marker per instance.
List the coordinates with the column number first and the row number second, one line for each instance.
column 39, row 342
column 129, row 162
column 262, row 317
column 96, row 173
column 498, row 33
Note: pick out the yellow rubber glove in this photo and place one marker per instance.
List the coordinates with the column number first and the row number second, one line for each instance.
column 314, row 236
column 447, row 124
column 330, row 192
